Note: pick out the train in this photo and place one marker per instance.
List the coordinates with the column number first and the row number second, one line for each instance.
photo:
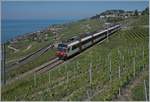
column 67, row 49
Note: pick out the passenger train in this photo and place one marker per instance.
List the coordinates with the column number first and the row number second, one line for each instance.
column 66, row 50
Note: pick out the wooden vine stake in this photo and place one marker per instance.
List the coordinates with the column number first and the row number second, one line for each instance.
column 143, row 53
column 49, row 77
column 119, row 53
column 67, row 77
column 74, row 72
column 143, row 59
column 66, row 72
column 90, row 73
column 128, row 51
column 135, row 52
column 134, row 66
column 123, row 61
column 109, row 67
column 145, row 90
column 35, row 79
column 77, row 65
column 90, row 79
column 87, row 92
column 119, row 78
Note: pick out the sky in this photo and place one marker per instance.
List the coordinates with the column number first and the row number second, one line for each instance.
column 63, row 9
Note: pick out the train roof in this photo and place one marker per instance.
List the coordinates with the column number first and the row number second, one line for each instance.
column 76, row 40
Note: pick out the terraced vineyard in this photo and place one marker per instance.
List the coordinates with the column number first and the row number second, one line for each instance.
column 97, row 74
column 73, row 29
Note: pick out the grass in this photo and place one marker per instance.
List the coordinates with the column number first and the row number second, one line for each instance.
column 22, row 45
column 138, row 92
column 32, row 64
column 80, row 27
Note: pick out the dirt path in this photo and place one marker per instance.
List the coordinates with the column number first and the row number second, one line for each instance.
column 126, row 92
column 12, row 48
column 28, row 48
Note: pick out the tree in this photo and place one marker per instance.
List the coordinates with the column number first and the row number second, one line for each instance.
column 145, row 11
column 136, row 13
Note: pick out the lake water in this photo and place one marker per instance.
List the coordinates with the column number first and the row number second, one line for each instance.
column 12, row 28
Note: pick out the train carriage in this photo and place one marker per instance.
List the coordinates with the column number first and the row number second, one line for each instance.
column 69, row 49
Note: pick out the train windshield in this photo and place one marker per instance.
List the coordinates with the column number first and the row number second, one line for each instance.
column 62, row 47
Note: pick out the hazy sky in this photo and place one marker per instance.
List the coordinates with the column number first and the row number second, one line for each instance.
column 63, row 10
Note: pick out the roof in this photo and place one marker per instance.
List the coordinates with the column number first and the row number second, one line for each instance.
column 75, row 40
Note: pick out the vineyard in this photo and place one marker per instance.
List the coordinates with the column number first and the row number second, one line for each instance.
column 99, row 73
column 70, row 30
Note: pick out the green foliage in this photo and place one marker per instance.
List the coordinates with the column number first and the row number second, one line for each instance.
column 138, row 93
column 146, row 11
column 22, row 46
column 32, row 64
column 136, row 13
column 114, row 19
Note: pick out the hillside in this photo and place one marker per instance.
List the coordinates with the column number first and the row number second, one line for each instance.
column 116, row 61
column 73, row 29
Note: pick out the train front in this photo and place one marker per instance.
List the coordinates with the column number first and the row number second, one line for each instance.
column 61, row 51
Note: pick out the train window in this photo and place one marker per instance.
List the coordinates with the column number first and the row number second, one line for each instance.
column 75, row 46
column 68, row 49
column 61, row 49
column 62, row 45
column 102, row 34
column 86, row 41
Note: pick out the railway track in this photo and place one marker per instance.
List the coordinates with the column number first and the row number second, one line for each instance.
column 38, row 70
column 28, row 58
column 49, row 66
